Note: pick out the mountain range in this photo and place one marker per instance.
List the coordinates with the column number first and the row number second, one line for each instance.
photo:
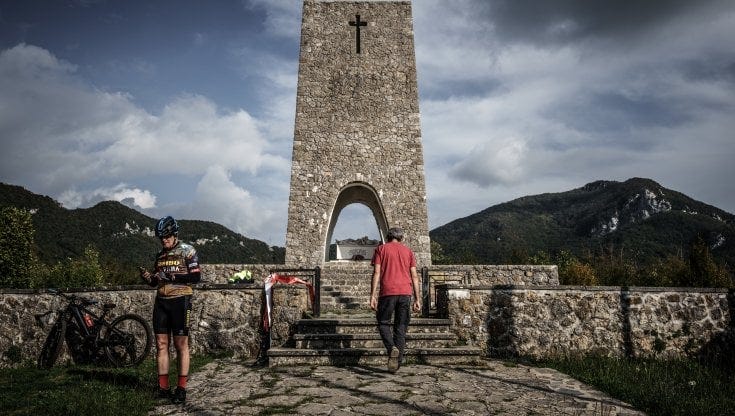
column 124, row 237
column 639, row 216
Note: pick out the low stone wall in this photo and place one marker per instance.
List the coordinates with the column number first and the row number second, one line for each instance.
column 612, row 321
column 520, row 275
column 525, row 320
column 219, row 273
column 488, row 275
column 224, row 317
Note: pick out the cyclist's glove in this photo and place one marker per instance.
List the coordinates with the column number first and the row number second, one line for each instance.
column 152, row 279
column 164, row 277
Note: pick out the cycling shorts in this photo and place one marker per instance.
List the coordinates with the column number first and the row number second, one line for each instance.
column 171, row 315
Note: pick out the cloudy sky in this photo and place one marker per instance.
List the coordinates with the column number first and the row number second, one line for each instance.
column 187, row 107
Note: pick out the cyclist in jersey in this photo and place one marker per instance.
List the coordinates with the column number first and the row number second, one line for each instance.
column 176, row 268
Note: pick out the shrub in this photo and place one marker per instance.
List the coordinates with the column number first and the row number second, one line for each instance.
column 82, row 272
column 573, row 272
column 580, row 274
column 19, row 266
column 671, row 271
column 704, row 271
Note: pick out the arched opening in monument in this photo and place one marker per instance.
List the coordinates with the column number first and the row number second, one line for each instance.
column 355, row 235
column 357, row 211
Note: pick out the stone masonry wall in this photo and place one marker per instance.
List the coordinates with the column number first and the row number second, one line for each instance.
column 219, row 273
column 357, row 126
column 488, row 275
column 224, row 317
column 524, row 320
column 550, row 321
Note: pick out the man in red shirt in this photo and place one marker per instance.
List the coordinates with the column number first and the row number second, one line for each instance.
column 394, row 271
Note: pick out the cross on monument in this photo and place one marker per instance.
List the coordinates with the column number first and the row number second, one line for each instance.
column 357, row 23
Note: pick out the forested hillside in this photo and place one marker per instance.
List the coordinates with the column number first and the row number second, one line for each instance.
column 613, row 233
column 636, row 224
column 124, row 237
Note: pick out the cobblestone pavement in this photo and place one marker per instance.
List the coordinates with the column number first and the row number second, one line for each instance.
column 231, row 387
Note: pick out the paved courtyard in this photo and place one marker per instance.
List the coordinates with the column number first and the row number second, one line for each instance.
column 230, row 387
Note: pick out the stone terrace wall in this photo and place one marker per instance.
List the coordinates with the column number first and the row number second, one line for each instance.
column 219, row 273
column 526, row 319
column 488, row 275
column 558, row 320
column 224, row 317
column 478, row 275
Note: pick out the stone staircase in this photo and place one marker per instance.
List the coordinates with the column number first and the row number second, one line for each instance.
column 355, row 341
column 347, row 333
column 346, row 286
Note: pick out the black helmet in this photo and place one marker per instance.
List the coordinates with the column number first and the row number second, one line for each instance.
column 167, row 226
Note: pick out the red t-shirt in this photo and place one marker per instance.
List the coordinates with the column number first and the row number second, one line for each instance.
column 395, row 262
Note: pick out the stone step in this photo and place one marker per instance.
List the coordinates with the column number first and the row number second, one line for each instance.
column 345, row 286
column 347, row 333
column 336, row 341
column 336, row 300
column 350, row 289
column 366, row 325
column 345, row 292
column 353, row 339
column 279, row 356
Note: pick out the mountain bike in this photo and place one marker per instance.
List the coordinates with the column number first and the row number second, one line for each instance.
column 124, row 341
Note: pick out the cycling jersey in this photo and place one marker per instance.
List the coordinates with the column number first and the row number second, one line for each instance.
column 180, row 263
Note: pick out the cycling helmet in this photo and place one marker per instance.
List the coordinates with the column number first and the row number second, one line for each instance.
column 167, row 226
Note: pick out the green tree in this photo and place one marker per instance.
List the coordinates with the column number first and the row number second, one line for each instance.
column 19, row 267
column 671, row 271
column 613, row 268
column 541, row 257
column 574, row 272
column 705, row 272
column 519, row 256
column 437, row 254
column 85, row 271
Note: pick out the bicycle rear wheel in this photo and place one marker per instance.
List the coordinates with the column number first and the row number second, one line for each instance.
column 127, row 340
column 52, row 346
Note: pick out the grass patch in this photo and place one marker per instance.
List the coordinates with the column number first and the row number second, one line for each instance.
column 82, row 390
column 657, row 387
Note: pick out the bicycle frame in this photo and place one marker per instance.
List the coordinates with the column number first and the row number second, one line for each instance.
column 77, row 311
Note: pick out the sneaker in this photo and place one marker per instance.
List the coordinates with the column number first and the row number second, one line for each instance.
column 179, row 396
column 393, row 363
column 261, row 361
column 163, row 393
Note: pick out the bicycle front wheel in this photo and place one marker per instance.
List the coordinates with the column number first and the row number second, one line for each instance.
column 52, row 346
column 127, row 340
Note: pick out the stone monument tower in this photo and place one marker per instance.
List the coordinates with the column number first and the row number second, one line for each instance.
column 357, row 135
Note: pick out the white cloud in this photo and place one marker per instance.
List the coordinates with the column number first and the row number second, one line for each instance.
column 67, row 139
column 134, row 197
column 59, row 130
column 518, row 116
column 452, row 45
column 498, row 161
column 276, row 92
column 283, row 17
column 217, row 196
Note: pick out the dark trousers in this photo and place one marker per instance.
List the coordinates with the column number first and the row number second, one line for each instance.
column 394, row 334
